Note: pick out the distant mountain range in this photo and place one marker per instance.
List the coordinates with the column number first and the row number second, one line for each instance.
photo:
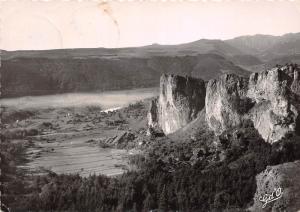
column 268, row 47
column 72, row 70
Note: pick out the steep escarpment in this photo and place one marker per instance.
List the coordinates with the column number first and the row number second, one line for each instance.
column 269, row 99
column 180, row 100
column 283, row 184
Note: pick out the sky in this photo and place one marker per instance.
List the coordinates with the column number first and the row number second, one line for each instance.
column 56, row 24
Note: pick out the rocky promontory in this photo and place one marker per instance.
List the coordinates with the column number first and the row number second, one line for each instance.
column 180, row 100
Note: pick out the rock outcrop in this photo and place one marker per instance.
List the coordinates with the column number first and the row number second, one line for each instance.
column 224, row 99
column 269, row 99
column 180, row 100
column 153, row 114
column 284, row 183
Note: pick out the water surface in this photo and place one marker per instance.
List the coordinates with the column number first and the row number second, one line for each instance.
column 106, row 100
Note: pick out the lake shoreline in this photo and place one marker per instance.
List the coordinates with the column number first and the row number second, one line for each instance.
column 105, row 100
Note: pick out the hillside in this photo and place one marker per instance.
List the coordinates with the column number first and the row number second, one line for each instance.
column 38, row 76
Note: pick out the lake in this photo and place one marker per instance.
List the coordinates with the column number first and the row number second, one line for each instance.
column 106, row 100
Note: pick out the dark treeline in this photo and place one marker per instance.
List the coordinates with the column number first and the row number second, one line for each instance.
column 12, row 179
column 210, row 184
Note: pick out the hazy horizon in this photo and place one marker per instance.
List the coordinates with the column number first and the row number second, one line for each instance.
column 33, row 25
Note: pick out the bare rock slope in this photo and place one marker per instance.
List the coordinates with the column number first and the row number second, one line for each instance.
column 180, row 100
column 269, row 99
column 283, row 182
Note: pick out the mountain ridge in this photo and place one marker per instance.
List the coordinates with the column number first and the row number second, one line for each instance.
column 39, row 72
column 283, row 38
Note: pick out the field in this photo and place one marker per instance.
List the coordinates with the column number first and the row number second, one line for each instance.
column 76, row 135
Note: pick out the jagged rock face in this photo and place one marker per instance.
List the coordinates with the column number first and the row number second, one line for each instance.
column 284, row 177
column 271, row 87
column 223, row 98
column 269, row 99
column 180, row 100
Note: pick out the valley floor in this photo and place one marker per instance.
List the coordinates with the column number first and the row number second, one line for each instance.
column 79, row 140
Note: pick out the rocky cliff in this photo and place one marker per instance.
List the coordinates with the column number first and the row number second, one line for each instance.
column 269, row 99
column 283, row 182
column 180, row 100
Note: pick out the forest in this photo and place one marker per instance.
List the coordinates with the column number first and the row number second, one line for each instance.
column 167, row 179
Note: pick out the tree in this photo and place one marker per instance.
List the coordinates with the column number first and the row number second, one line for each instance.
column 163, row 204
